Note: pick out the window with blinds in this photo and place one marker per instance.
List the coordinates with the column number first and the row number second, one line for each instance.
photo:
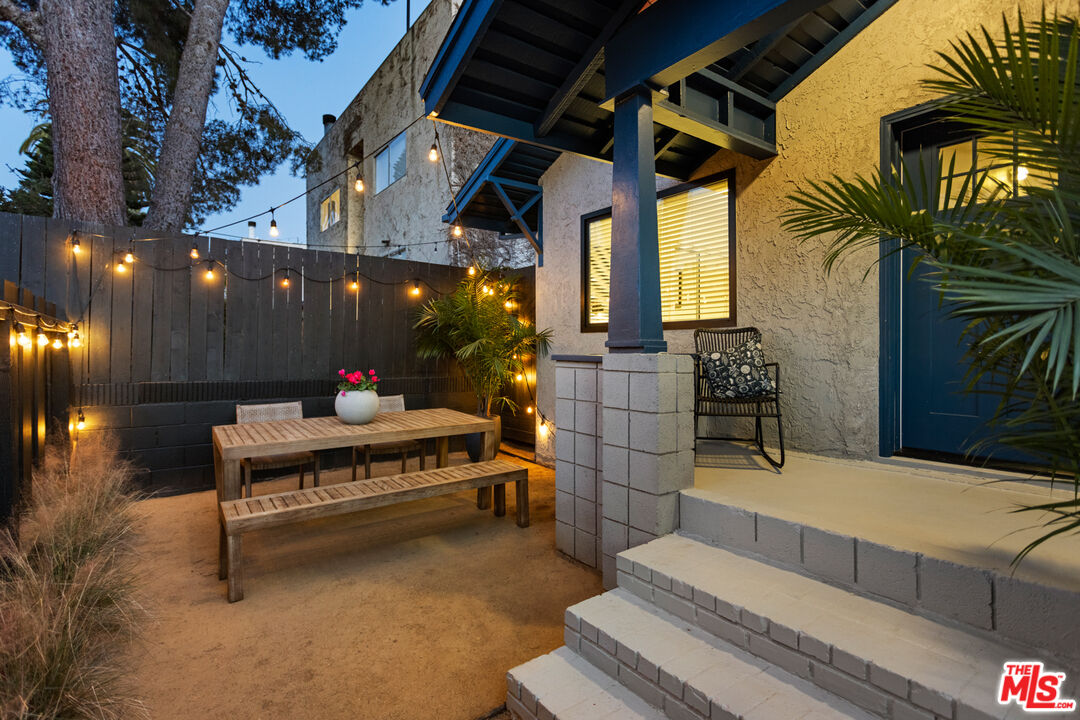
column 696, row 283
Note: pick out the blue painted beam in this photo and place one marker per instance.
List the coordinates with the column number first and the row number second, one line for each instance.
column 675, row 38
column 635, row 322
column 494, row 158
column 517, row 215
column 472, row 21
column 868, row 16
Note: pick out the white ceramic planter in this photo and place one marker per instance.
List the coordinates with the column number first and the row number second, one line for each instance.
column 356, row 407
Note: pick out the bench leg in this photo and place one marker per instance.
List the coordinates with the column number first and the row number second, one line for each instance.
column 367, row 462
column 354, row 464
column 236, row 568
column 442, row 452
column 223, row 570
column 315, row 470
column 500, row 500
column 522, row 487
column 483, row 497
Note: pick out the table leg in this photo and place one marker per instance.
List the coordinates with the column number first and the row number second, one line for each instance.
column 500, row 500
column 522, row 487
column 234, row 548
column 442, row 452
column 489, row 445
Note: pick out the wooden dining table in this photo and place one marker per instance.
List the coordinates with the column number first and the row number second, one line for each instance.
column 234, row 443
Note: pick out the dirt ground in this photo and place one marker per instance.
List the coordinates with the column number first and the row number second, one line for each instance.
column 410, row 612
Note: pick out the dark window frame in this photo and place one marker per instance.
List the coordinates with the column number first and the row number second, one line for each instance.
column 731, row 320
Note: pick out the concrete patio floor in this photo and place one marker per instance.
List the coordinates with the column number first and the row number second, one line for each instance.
column 950, row 512
column 413, row 611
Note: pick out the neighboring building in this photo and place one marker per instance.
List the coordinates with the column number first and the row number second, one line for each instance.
column 399, row 213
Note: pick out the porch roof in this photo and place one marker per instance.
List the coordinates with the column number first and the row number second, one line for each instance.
column 538, row 73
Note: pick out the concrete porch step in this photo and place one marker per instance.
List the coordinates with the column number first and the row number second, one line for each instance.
column 881, row 657
column 934, row 546
column 679, row 667
column 564, row 685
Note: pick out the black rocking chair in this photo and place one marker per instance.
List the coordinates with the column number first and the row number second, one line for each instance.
column 708, row 405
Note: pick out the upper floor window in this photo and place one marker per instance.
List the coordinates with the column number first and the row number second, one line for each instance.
column 697, row 263
column 390, row 164
column 330, row 210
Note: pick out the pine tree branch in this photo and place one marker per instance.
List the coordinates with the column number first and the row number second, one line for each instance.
column 28, row 21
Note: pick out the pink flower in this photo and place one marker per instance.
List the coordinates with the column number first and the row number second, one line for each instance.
column 341, row 372
column 374, row 378
column 342, row 393
column 370, row 372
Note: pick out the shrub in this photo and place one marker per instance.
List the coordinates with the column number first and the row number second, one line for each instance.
column 67, row 606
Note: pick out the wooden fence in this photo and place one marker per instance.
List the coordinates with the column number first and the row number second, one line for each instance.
column 168, row 351
column 34, row 384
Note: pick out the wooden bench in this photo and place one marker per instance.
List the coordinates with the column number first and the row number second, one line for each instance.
column 255, row 513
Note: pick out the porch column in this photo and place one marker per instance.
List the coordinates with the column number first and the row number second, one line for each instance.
column 634, row 321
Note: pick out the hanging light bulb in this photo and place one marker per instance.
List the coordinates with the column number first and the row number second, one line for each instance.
column 355, row 284
column 285, row 280
column 415, row 290
column 273, row 224
column 508, row 305
column 129, row 257
column 458, row 232
column 529, row 410
column 194, row 251
column 42, row 338
column 75, row 246
column 359, row 184
column 75, row 341
column 80, row 422
column 433, row 153
column 23, row 339
column 472, row 269
column 57, row 344
column 209, row 269
column 519, row 377
column 542, row 429
column 121, row 267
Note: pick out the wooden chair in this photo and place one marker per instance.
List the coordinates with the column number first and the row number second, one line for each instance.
column 269, row 413
column 708, row 405
column 389, row 403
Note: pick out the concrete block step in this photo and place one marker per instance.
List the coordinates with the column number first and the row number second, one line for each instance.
column 881, row 657
column 891, row 559
column 676, row 666
column 564, row 685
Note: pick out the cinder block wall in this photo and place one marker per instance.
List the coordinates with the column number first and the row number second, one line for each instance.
column 578, row 449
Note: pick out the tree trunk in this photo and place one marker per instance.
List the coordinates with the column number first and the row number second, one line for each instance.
column 79, row 49
column 183, row 133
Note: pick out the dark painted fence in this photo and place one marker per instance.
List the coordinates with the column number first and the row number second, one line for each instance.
column 167, row 353
column 34, row 384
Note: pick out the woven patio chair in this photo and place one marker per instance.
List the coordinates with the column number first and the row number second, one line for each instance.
column 389, row 403
column 269, row 413
column 706, row 404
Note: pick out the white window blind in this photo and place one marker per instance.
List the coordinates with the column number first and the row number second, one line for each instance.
column 695, row 283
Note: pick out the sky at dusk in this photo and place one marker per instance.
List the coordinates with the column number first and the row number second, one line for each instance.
column 302, row 91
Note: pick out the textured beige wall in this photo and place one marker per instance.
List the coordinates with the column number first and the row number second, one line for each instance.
column 822, row 330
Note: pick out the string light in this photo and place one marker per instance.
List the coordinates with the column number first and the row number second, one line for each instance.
column 57, row 344
column 209, row 269
column 542, row 429
column 42, row 338
column 508, row 305
column 433, row 153
column 359, row 184
column 529, row 410
column 80, row 423
column 472, row 270
column 75, row 246
column 194, row 251
column 273, row 224
column 519, row 377
column 75, row 341
column 23, row 339
column 129, row 257
column 285, row 280
column 415, row 287
column 458, row 232
column 355, row 284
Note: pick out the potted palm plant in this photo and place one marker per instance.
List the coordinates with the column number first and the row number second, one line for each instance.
column 475, row 325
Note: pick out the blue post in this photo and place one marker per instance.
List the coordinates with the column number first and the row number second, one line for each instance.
column 634, row 320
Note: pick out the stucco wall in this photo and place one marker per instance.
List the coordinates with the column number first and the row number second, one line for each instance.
column 822, row 330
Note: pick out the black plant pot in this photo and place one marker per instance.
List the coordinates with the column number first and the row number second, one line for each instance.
column 474, row 442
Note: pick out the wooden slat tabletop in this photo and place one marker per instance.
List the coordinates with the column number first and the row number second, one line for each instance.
column 236, row 442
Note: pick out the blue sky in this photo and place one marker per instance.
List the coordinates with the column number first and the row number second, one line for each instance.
column 301, row 89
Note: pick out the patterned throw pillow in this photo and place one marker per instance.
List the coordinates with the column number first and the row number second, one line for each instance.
column 738, row 372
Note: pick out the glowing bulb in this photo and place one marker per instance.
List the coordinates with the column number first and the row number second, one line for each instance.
column 458, row 231
column 519, row 377
column 121, row 267
column 433, row 153
column 75, row 246
column 209, row 270
column 75, row 341
column 194, row 252
column 472, row 269
column 415, row 290
column 71, row 426
column 359, row 185
column 57, row 344
column 129, row 257
column 81, row 421
column 42, row 339
column 354, row 285
column 285, row 280
column 542, row 429
column 23, row 339
column 484, row 289
column 508, row 305
column 273, row 228
column 529, row 410
column 1021, row 174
